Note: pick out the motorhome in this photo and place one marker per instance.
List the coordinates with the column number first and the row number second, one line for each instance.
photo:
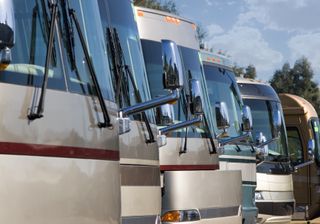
column 302, row 124
column 59, row 140
column 70, row 74
column 238, row 153
column 274, row 193
column 193, row 189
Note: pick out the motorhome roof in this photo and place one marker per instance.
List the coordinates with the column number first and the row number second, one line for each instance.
column 153, row 23
column 257, row 89
column 293, row 104
column 163, row 13
column 214, row 58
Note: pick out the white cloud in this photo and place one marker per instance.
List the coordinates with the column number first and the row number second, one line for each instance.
column 214, row 29
column 247, row 46
column 307, row 45
column 209, row 3
column 288, row 15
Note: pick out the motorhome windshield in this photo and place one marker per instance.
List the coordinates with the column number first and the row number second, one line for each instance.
column 121, row 23
column 32, row 27
column 315, row 129
column 222, row 87
column 193, row 69
column 262, row 114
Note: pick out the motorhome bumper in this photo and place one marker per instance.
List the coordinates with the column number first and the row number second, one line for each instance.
column 276, row 208
column 209, row 215
column 265, row 219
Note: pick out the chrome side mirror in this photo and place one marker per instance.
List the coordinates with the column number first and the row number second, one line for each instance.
column 172, row 66
column 7, row 28
column 165, row 115
column 277, row 122
column 222, row 115
column 196, row 97
column 311, row 148
column 246, row 119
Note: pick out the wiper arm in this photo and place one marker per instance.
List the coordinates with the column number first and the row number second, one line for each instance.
column 40, row 108
column 107, row 121
column 213, row 149
column 266, row 142
column 122, row 68
column 235, row 140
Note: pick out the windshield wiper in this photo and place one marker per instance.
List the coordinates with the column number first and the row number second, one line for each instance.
column 39, row 109
column 122, row 71
column 106, row 117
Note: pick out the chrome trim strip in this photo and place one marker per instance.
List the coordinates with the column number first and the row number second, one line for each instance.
column 151, row 219
column 209, row 213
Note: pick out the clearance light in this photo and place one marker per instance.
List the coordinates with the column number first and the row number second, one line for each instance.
column 173, row 20
column 140, row 13
column 181, row 216
column 194, row 26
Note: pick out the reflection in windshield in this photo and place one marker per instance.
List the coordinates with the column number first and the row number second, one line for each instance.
column 192, row 69
column 262, row 111
column 222, row 88
column 120, row 16
column 315, row 129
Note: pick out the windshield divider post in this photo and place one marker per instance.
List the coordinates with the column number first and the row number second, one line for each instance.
column 40, row 108
column 107, row 120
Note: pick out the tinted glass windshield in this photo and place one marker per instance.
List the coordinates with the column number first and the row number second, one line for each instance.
column 119, row 17
column 193, row 69
column 315, row 129
column 32, row 19
column 222, row 87
column 262, row 114
column 29, row 52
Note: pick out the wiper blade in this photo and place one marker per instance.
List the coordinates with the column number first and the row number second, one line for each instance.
column 123, row 72
column 267, row 142
column 40, row 108
column 107, row 121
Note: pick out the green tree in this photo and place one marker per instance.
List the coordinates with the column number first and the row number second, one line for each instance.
column 167, row 5
column 201, row 33
column 297, row 80
column 251, row 72
column 238, row 71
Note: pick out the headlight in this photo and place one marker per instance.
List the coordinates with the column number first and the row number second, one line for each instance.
column 258, row 196
column 181, row 216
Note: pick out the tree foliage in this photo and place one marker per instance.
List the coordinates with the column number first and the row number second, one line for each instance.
column 166, row 6
column 297, row 80
column 248, row 72
column 201, row 33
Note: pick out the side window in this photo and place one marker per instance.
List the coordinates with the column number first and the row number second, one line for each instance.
column 32, row 25
column 295, row 145
column 79, row 79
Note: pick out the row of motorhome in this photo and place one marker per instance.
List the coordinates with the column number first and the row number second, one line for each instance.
column 114, row 115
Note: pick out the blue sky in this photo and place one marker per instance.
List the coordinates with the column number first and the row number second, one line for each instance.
column 265, row 33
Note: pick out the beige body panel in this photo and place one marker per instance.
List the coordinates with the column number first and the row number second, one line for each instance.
column 248, row 170
column 54, row 189
column 197, row 152
column 269, row 182
column 140, row 173
column 47, row 190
